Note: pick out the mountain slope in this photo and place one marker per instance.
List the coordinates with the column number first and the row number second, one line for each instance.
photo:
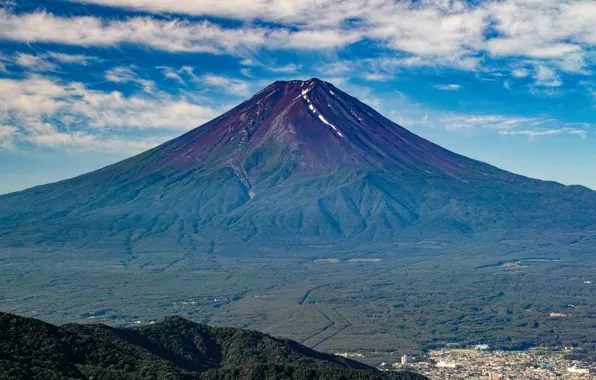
column 173, row 349
column 300, row 161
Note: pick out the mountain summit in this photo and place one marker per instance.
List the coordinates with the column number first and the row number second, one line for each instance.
column 300, row 162
column 308, row 126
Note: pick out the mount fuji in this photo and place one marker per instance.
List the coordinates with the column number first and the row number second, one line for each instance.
column 301, row 163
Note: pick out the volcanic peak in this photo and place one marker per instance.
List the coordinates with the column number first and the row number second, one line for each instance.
column 309, row 126
column 300, row 158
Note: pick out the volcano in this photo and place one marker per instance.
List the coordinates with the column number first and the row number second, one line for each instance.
column 301, row 163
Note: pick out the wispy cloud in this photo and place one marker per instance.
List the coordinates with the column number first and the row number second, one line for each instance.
column 168, row 35
column 232, row 86
column 377, row 76
column 498, row 122
column 34, row 62
column 435, row 28
column 48, row 112
column 40, row 62
column 520, row 72
column 7, row 135
column 386, row 67
column 289, row 68
column 447, row 87
column 558, row 31
column 510, row 125
column 79, row 59
column 418, row 117
column 127, row 75
column 179, row 74
column 547, row 77
column 546, row 29
column 544, row 41
column 49, row 136
column 546, row 132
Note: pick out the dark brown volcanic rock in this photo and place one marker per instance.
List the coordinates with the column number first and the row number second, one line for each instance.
column 300, row 162
column 308, row 126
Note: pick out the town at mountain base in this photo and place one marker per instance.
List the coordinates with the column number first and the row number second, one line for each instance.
column 172, row 349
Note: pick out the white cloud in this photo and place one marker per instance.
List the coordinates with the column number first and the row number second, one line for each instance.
column 573, row 63
column 414, row 115
column 447, row 87
column 385, row 68
column 547, row 77
column 467, row 63
column 509, row 125
column 431, row 32
column 127, row 75
column 172, row 75
column 241, row 9
column 339, row 67
column 49, row 136
column 181, row 74
column 246, row 72
column 377, row 77
column 434, row 32
column 458, row 122
column 167, row 35
column 522, row 47
column 289, row 68
column 317, row 39
column 7, row 135
column 546, row 132
column 34, row 63
column 232, row 86
column 542, row 29
column 80, row 59
column 545, row 38
column 520, row 72
column 44, row 61
column 250, row 62
column 49, row 112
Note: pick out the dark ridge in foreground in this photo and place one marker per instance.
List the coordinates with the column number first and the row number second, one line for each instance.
column 173, row 349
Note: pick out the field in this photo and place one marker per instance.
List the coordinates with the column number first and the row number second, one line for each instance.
column 391, row 299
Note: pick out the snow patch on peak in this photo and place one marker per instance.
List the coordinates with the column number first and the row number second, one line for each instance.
column 273, row 92
column 322, row 118
column 326, row 122
column 314, row 111
column 304, row 92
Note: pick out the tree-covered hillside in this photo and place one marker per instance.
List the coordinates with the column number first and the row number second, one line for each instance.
column 173, row 349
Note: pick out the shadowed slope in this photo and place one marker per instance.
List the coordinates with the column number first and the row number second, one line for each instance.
column 173, row 349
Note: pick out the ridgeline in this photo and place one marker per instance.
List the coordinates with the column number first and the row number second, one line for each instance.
column 173, row 349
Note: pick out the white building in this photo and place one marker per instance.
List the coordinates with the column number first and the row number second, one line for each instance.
column 443, row 364
column 578, row 370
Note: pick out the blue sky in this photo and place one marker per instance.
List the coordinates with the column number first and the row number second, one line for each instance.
column 85, row 83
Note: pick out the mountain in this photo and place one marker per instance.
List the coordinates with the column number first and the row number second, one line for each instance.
column 301, row 163
column 172, row 349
